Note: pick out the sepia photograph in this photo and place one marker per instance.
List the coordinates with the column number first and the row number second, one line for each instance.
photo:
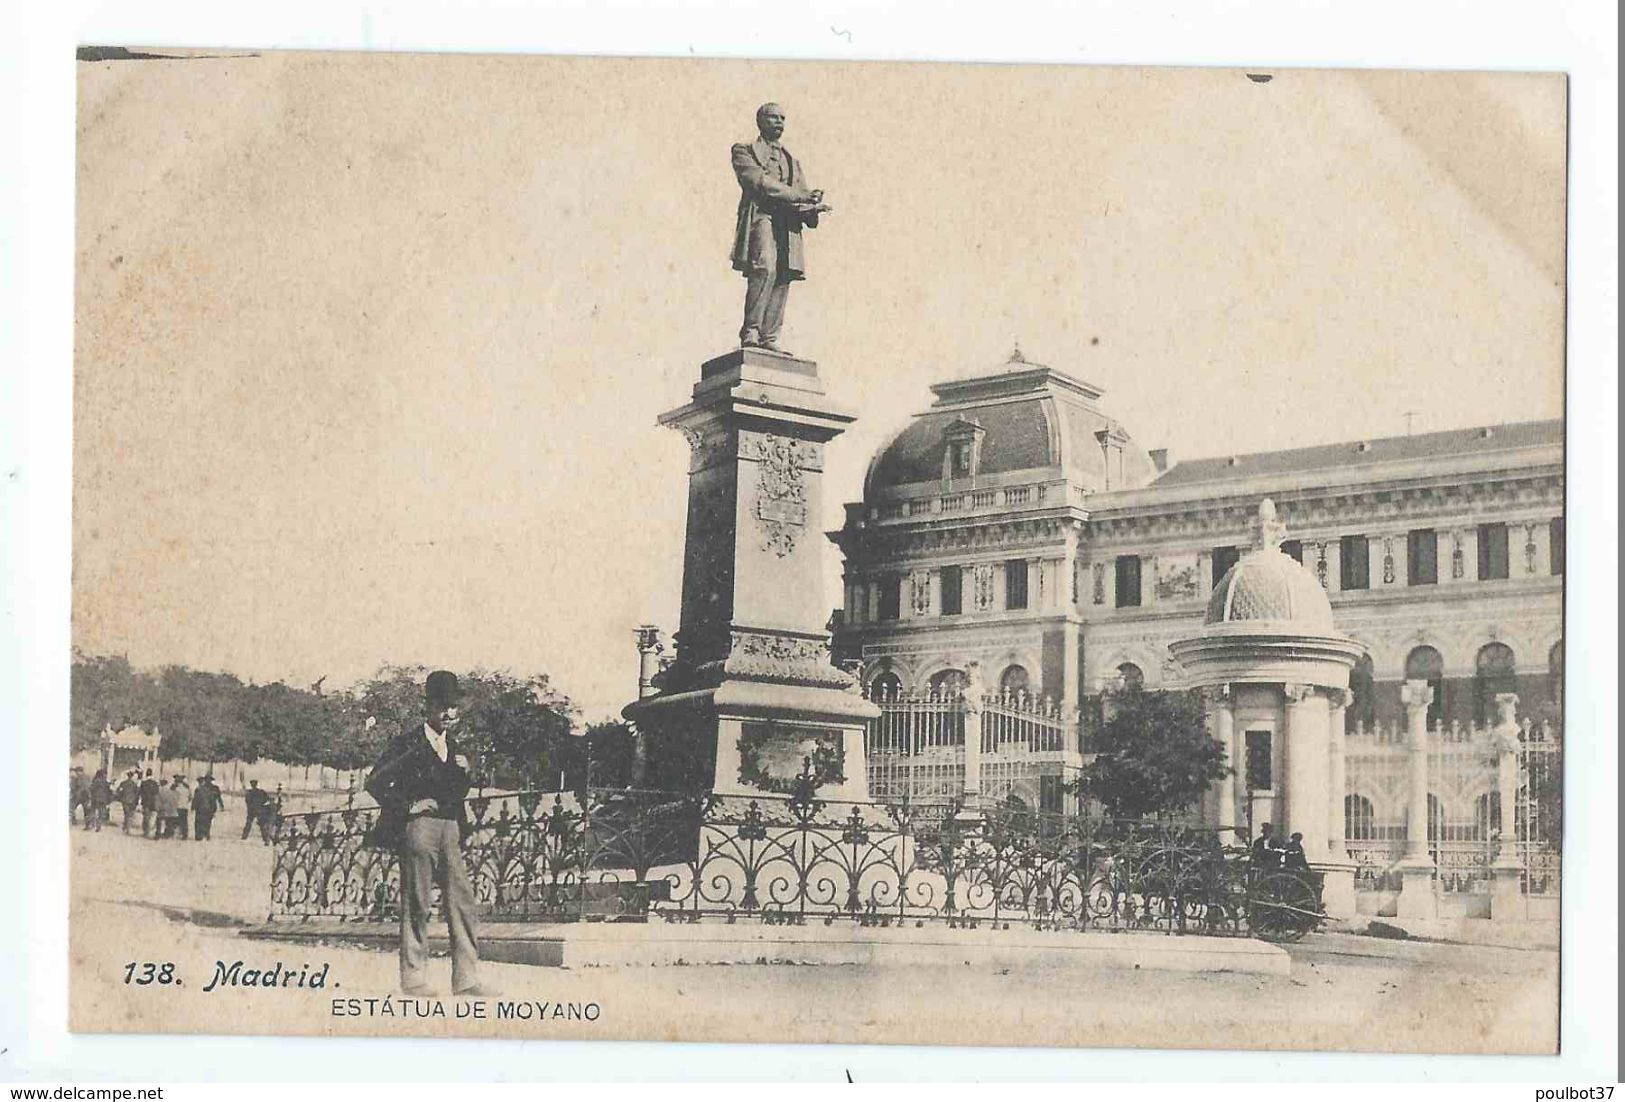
column 880, row 553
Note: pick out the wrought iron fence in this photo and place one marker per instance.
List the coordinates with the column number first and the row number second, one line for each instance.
column 625, row 854
column 1466, row 826
column 915, row 748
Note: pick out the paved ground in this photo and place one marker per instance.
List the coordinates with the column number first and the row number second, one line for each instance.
column 137, row 900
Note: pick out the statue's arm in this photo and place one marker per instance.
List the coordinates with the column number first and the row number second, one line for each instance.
column 761, row 187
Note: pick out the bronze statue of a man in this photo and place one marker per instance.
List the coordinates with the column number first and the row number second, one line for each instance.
column 774, row 204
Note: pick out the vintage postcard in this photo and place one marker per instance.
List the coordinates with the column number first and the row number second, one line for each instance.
column 744, row 551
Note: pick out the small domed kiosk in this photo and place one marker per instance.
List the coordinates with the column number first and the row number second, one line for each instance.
column 1274, row 672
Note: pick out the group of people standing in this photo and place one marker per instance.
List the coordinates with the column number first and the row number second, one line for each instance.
column 171, row 809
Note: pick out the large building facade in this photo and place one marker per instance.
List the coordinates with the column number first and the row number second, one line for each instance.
column 1015, row 524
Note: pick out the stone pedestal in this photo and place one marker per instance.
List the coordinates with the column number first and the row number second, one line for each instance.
column 1417, row 899
column 1337, row 888
column 751, row 699
column 1507, row 901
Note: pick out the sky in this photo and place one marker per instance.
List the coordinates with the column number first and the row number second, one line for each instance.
column 369, row 348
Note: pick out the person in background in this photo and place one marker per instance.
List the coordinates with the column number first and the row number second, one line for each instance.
column 254, row 799
column 183, row 804
column 166, row 805
column 1292, row 855
column 77, row 788
column 149, row 803
column 129, row 795
column 100, row 795
column 206, row 801
column 1266, row 852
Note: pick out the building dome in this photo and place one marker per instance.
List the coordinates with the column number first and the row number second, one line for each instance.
column 1267, row 590
column 1022, row 421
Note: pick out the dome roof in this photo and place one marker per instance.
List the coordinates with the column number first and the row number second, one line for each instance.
column 1269, row 591
column 1025, row 417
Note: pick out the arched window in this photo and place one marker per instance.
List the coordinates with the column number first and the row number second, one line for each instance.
column 1495, row 672
column 886, row 686
column 1554, row 675
column 1130, row 676
column 948, row 682
column 1427, row 664
column 1359, row 818
column 1362, row 711
column 1013, row 681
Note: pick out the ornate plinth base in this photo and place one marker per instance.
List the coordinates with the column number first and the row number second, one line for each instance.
column 1337, row 888
column 752, row 703
column 1418, row 898
column 1507, row 900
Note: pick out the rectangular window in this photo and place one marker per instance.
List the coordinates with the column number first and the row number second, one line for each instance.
column 1492, row 552
column 1015, row 584
column 953, row 590
column 1128, row 581
column 891, row 596
column 960, row 459
column 1293, row 549
column 1223, row 559
column 1356, row 571
column 1050, row 793
column 1422, row 557
column 1259, row 771
column 1557, row 545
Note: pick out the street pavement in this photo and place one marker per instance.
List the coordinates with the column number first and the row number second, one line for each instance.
column 135, row 900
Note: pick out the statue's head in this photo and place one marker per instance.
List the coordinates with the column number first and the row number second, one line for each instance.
column 770, row 121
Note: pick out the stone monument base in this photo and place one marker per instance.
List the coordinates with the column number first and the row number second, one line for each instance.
column 752, row 703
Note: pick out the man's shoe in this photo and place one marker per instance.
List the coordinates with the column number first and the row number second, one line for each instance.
column 478, row 991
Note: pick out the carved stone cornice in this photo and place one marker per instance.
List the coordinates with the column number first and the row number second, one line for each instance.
column 1307, row 511
column 874, row 547
column 774, row 657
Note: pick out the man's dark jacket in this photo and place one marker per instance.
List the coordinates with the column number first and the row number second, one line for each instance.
column 409, row 770
column 149, row 794
column 207, row 799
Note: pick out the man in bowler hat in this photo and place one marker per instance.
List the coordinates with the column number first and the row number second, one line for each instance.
column 420, row 783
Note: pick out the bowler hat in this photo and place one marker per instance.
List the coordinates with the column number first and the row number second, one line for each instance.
column 442, row 688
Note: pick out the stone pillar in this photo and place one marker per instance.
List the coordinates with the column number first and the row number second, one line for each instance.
column 1222, row 708
column 649, row 649
column 1417, row 899
column 1507, row 900
column 1337, row 872
column 1306, row 769
column 1337, row 781
column 972, row 795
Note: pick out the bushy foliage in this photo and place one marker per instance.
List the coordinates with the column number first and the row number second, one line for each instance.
column 1153, row 757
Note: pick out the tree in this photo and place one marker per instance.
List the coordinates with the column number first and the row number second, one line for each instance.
column 610, row 749
column 200, row 714
column 105, row 691
column 1154, row 757
column 516, row 731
